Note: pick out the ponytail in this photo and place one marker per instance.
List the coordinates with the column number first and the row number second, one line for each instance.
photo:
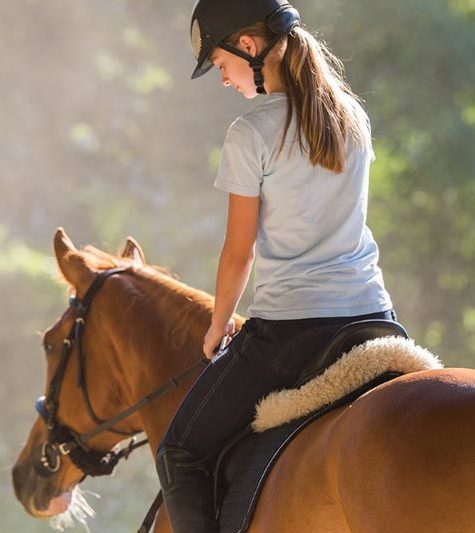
column 324, row 106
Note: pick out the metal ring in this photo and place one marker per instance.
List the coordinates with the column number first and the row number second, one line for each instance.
column 45, row 461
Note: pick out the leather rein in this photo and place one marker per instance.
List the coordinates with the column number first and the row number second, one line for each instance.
column 62, row 440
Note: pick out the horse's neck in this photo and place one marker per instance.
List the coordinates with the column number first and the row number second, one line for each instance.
column 174, row 339
column 182, row 315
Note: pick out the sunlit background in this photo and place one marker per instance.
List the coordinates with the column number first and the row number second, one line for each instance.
column 103, row 132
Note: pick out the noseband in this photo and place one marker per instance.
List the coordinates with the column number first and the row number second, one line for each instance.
column 62, row 440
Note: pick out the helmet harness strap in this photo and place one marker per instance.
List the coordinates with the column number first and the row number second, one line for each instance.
column 256, row 62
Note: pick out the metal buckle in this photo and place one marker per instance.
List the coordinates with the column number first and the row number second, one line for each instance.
column 64, row 448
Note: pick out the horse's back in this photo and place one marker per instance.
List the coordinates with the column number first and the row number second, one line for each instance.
column 399, row 459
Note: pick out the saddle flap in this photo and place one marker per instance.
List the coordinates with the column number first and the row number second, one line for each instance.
column 246, row 461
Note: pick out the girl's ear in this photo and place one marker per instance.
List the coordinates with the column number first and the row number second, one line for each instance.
column 72, row 263
column 248, row 44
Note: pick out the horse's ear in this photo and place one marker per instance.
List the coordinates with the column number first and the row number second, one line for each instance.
column 133, row 250
column 71, row 263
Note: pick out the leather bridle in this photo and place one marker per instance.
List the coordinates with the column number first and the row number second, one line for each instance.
column 61, row 439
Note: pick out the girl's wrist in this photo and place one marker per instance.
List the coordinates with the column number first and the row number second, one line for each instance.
column 222, row 324
column 218, row 323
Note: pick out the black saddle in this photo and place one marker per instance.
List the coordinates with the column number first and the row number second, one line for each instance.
column 247, row 459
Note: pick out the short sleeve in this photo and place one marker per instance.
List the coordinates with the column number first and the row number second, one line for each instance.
column 242, row 162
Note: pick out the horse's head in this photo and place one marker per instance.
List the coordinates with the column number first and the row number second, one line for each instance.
column 93, row 370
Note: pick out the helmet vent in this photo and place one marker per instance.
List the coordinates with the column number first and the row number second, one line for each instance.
column 196, row 41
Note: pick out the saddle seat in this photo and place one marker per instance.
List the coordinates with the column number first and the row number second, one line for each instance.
column 347, row 338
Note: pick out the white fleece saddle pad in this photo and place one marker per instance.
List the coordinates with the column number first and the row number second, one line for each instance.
column 355, row 368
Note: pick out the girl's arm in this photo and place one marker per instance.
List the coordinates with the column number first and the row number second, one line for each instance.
column 234, row 267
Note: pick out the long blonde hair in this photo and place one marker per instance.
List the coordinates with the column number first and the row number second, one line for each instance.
column 325, row 108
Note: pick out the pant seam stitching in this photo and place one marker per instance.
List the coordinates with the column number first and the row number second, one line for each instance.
column 200, row 408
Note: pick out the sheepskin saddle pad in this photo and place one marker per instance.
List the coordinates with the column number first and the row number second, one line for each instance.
column 245, row 463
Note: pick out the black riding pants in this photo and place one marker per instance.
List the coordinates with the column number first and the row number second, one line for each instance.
column 266, row 355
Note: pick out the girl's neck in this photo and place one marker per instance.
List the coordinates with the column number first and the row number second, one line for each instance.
column 273, row 82
column 272, row 89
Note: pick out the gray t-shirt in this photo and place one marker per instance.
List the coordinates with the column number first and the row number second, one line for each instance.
column 315, row 256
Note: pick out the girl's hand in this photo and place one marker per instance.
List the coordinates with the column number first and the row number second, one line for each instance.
column 214, row 336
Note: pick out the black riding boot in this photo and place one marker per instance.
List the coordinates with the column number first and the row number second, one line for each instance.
column 187, row 491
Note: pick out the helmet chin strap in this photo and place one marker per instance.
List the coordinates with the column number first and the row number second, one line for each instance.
column 255, row 62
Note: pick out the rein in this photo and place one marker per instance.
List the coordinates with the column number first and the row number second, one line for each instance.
column 62, row 440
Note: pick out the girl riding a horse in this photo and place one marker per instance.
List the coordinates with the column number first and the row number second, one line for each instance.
column 296, row 169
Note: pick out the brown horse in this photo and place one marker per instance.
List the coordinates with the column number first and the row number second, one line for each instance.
column 399, row 459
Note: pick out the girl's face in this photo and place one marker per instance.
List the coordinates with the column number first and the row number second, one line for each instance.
column 235, row 71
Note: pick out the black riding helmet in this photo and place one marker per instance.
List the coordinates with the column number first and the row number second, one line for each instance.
column 213, row 20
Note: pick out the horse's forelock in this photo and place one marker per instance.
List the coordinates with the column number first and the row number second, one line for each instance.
column 99, row 260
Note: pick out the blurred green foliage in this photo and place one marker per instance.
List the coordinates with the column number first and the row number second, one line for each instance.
column 103, row 132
